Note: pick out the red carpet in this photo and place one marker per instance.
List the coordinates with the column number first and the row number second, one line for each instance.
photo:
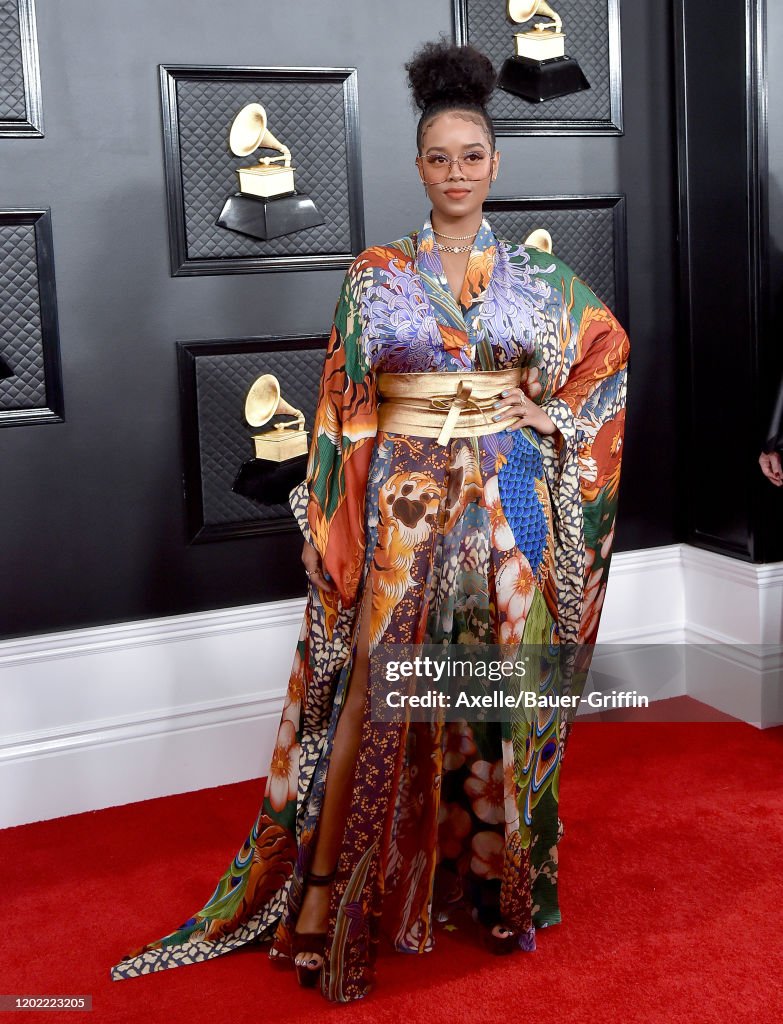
column 671, row 894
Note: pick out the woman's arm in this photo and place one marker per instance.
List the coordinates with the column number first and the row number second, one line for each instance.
column 599, row 351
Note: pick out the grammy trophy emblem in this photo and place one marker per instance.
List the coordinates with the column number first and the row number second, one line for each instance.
column 540, row 239
column 284, row 440
column 267, row 204
column 280, row 454
column 540, row 69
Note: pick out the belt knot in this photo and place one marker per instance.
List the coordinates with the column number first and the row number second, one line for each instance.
column 453, row 405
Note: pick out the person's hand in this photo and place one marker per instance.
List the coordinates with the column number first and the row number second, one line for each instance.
column 527, row 414
column 315, row 573
column 770, row 467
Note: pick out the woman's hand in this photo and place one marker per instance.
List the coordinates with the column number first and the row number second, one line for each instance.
column 770, row 467
column 527, row 414
column 312, row 563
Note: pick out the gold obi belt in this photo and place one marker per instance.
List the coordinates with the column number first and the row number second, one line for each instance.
column 444, row 404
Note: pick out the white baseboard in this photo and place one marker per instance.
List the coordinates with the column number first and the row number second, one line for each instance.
column 109, row 715
column 97, row 717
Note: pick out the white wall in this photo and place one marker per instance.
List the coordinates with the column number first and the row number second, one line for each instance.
column 103, row 716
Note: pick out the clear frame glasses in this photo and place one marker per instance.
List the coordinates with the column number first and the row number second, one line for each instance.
column 475, row 165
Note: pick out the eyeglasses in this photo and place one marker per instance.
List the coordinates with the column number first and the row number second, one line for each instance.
column 474, row 165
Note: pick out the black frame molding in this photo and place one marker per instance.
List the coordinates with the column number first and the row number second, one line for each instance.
column 188, row 353
column 181, row 264
column 54, row 411
column 762, row 539
column 32, row 125
column 614, row 202
column 613, row 125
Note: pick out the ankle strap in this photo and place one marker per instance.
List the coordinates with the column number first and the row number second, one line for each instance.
column 313, row 879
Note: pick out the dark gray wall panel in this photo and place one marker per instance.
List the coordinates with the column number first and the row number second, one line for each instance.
column 592, row 37
column 12, row 101
column 587, row 232
column 29, row 335
column 313, row 112
column 20, row 80
column 215, row 378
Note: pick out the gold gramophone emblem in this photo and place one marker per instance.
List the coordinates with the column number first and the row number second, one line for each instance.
column 285, row 440
column 546, row 39
column 272, row 175
column 540, row 239
column 539, row 69
column 267, row 204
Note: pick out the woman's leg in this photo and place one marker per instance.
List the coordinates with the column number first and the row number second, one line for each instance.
column 313, row 914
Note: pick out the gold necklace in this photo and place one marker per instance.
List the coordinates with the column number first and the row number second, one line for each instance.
column 458, row 238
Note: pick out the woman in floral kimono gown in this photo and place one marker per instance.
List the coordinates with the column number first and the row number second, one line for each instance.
column 496, row 538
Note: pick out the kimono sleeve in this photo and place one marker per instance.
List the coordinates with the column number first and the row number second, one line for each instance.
column 330, row 503
column 585, row 396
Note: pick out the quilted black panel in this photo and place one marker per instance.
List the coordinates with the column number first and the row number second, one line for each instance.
column 222, row 382
column 12, row 98
column 307, row 116
column 21, row 334
column 588, row 239
column 586, row 24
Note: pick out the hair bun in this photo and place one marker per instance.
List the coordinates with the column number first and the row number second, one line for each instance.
column 445, row 72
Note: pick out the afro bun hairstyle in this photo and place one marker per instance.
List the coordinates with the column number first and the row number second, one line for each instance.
column 443, row 72
column 445, row 76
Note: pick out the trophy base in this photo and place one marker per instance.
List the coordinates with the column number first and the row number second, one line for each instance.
column 280, row 445
column 538, row 80
column 269, row 483
column 264, row 218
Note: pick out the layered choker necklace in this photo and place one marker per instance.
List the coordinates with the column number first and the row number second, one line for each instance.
column 458, row 238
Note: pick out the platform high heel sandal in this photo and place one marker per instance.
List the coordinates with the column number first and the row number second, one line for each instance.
column 500, row 945
column 310, row 942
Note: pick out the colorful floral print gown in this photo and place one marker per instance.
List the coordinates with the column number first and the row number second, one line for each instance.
column 495, row 539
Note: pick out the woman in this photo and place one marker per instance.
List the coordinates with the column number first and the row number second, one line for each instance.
column 496, row 529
